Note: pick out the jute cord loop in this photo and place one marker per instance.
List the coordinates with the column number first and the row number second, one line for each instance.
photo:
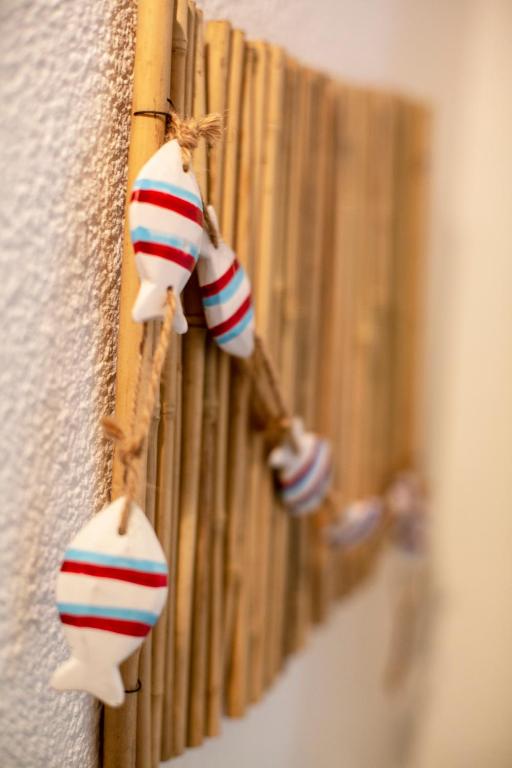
column 130, row 446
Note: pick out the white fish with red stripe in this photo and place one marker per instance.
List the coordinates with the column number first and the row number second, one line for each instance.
column 110, row 592
column 166, row 228
column 226, row 296
column 303, row 466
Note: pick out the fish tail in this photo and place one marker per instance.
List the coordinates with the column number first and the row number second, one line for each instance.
column 105, row 683
column 150, row 302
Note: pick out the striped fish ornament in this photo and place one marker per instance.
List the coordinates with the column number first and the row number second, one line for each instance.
column 166, row 227
column 407, row 504
column 226, row 296
column 303, row 476
column 360, row 520
column 110, row 592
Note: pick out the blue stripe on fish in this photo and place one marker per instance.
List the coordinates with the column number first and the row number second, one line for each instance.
column 147, row 235
column 237, row 330
column 109, row 612
column 172, row 189
column 100, row 558
column 292, row 490
column 227, row 292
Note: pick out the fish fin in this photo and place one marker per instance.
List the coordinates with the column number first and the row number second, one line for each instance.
column 105, row 683
column 150, row 302
column 180, row 324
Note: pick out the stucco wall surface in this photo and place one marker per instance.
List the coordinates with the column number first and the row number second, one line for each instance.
column 64, row 89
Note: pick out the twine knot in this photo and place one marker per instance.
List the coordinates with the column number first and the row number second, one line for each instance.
column 189, row 132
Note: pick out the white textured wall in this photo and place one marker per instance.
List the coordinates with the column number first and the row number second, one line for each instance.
column 64, row 82
column 64, row 78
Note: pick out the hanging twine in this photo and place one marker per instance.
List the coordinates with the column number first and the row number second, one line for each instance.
column 284, row 421
column 189, row 132
column 130, row 446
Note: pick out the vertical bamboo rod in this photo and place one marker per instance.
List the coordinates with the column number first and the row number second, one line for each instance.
column 166, row 524
column 207, row 481
column 144, row 700
column 192, row 401
column 172, row 395
column 200, row 636
column 218, row 40
column 269, row 276
column 150, row 91
column 328, row 344
column 235, row 616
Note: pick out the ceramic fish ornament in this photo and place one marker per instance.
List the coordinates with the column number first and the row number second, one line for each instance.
column 226, row 296
column 110, row 591
column 407, row 504
column 303, row 476
column 166, row 228
column 360, row 520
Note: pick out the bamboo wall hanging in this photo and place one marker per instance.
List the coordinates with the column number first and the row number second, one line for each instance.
column 318, row 192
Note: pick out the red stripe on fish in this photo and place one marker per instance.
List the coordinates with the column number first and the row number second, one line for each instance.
column 210, row 289
column 184, row 260
column 120, row 574
column 221, row 328
column 303, row 471
column 119, row 626
column 170, row 202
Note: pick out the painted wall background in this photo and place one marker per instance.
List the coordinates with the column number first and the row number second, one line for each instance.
column 64, row 88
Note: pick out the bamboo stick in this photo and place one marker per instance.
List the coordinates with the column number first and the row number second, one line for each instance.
column 192, row 401
column 173, row 396
column 144, row 752
column 246, row 241
column 299, row 579
column 328, row 334
column 235, row 614
column 269, row 282
column 200, row 620
column 200, row 636
column 166, row 526
column 290, row 329
column 150, row 84
column 193, row 371
column 218, row 39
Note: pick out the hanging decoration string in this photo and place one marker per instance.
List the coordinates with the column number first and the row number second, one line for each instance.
column 188, row 132
column 130, row 446
column 284, row 421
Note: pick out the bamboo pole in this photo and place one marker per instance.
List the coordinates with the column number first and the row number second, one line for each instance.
column 290, row 328
column 144, row 752
column 172, row 396
column 166, row 527
column 200, row 636
column 300, row 539
column 150, row 91
column 246, row 240
column 269, row 269
column 192, row 402
column 235, row 623
column 218, row 39
column 329, row 336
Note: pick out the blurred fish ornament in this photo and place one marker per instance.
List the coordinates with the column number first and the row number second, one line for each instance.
column 226, row 295
column 111, row 590
column 303, row 466
column 166, row 228
column 360, row 520
column 407, row 504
